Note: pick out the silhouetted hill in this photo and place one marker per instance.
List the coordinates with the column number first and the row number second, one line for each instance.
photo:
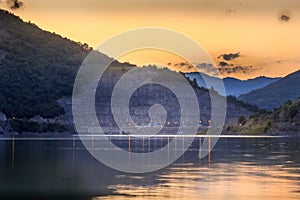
column 233, row 86
column 37, row 68
column 275, row 94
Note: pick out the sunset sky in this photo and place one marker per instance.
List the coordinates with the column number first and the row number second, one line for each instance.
column 246, row 38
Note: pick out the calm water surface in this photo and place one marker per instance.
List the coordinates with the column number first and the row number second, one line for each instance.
column 237, row 168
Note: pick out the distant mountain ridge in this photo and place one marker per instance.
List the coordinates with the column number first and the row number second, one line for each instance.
column 233, row 86
column 275, row 94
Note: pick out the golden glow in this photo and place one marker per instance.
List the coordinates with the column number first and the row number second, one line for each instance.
column 251, row 27
column 221, row 181
column 157, row 57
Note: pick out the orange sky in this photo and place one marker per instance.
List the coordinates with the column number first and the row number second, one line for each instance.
column 267, row 45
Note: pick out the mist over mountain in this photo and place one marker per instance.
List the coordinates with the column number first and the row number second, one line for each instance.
column 275, row 94
column 233, row 86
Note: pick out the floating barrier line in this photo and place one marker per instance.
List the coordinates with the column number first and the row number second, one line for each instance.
column 95, row 137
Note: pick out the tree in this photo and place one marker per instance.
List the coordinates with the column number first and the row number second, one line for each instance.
column 242, row 120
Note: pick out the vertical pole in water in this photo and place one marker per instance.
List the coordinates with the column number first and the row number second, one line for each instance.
column 128, row 161
column 128, row 145
column 149, row 143
column 200, row 147
column 135, row 142
column 110, row 142
column 13, row 152
column 183, row 147
column 208, row 149
column 143, row 144
column 73, row 148
column 168, row 148
column 175, row 145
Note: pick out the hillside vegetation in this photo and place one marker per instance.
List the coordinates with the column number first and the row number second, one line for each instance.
column 37, row 68
column 283, row 120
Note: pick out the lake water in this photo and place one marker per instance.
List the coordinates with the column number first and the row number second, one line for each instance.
column 237, row 168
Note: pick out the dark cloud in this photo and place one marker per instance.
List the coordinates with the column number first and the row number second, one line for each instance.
column 223, row 64
column 224, row 68
column 237, row 69
column 229, row 56
column 15, row 4
column 181, row 65
column 190, row 66
column 284, row 18
column 202, row 67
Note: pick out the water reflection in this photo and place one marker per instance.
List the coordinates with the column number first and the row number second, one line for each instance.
column 221, row 181
column 236, row 169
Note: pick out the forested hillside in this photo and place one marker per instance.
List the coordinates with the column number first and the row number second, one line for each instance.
column 284, row 120
column 37, row 68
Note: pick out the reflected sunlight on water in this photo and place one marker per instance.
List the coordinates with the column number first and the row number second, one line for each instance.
column 255, row 169
column 220, row 181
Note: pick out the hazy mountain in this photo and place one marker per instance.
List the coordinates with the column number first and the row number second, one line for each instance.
column 275, row 94
column 234, row 86
column 237, row 87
